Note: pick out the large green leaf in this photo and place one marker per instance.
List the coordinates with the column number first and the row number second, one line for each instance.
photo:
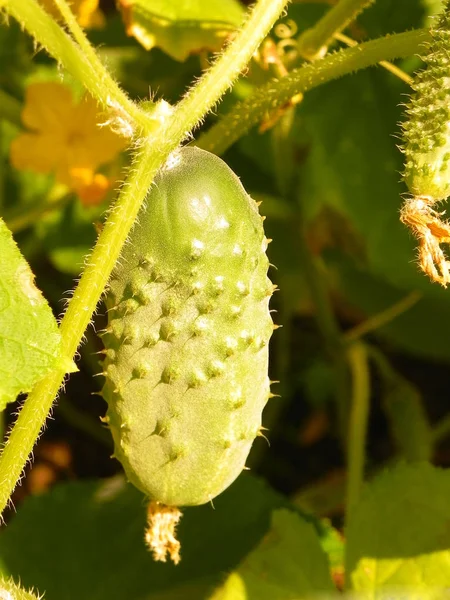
column 287, row 564
column 399, row 535
column 181, row 27
column 87, row 542
column 29, row 336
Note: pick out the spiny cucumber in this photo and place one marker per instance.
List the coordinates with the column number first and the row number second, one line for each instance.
column 186, row 345
column 427, row 151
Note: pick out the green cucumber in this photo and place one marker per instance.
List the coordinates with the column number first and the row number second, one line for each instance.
column 426, row 134
column 427, row 130
column 186, row 345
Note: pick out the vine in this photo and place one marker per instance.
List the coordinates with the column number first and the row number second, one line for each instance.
column 276, row 93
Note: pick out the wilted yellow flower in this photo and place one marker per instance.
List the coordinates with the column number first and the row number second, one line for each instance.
column 87, row 12
column 64, row 138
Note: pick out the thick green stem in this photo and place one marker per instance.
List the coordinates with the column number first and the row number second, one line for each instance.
column 277, row 93
column 88, row 51
column 313, row 43
column 389, row 66
column 149, row 158
column 93, row 75
column 236, row 57
column 79, row 36
column 359, row 415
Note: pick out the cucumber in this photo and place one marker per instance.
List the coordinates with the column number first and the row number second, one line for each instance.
column 186, row 366
column 426, row 134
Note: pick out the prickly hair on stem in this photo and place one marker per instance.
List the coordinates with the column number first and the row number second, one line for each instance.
column 426, row 134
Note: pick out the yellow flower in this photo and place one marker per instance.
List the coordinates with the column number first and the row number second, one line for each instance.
column 90, row 187
column 87, row 12
column 64, row 138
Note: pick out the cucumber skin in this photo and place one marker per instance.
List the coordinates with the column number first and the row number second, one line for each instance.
column 427, row 131
column 186, row 362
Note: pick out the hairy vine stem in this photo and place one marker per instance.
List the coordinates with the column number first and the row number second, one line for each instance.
column 276, row 93
column 79, row 36
column 151, row 153
column 313, row 43
column 399, row 73
column 63, row 48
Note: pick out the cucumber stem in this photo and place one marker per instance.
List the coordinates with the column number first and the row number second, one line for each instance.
column 359, row 413
column 276, row 93
column 88, row 70
column 313, row 43
column 389, row 66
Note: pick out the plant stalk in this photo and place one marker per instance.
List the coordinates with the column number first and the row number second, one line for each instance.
column 93, row 75
column 88, row 51
column 359, row 414
column 313, row 43
column 276, row 93
column 389, row 66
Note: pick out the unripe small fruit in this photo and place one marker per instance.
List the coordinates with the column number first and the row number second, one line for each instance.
column 189, row 374
column 426, row 135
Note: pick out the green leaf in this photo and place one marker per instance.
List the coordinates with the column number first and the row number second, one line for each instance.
column 10, row 591
column 399, row 536
column 354, row 169
column 29, row 336
column 181, row 27
column 288, row 563
column 103, row 535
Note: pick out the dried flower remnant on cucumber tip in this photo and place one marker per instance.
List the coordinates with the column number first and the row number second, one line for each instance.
column 427, row 152
column 186, row 367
